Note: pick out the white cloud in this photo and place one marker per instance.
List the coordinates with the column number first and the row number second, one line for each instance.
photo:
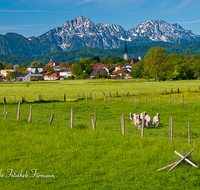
column 20, row 11
column 183, row 4
column 189, row 22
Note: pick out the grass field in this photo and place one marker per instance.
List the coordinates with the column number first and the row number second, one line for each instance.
column 81, row 158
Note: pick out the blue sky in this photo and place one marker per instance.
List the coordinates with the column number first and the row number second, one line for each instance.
column 35, row 17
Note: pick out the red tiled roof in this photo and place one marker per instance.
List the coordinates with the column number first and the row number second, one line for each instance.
column 118, row 71
column 47, row 73
column 50, row 63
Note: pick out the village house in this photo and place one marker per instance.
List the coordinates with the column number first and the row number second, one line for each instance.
column 65, row 73
column 50, row 75
column 4, row 72
column 22, row 76
column 120, row 72
column 36, row 76
column 32, row 69
column 93, row 75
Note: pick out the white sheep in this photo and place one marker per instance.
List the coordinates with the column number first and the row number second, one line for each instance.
column 143, row 113
column 148, row 121
column 134, row 119
column 138, row 121
column 156, row 119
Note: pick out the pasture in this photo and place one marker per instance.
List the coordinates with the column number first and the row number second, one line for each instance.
column 81, row 158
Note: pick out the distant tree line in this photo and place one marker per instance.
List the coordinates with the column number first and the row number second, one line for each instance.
column 157, row 64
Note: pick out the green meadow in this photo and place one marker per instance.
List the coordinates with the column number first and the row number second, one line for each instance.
column 81, row 158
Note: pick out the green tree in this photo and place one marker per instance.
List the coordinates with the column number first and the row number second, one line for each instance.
column 97, row 74
column 39, row 64
column 10, row 65
column 4, row 64
column 111, row 69
column 104, row 74
column 76, row 69
column 48, row 68
column 123, row 75
column 83, row 76
column 21, row 68
column 88, row 69
column 64, row 65
column 137, row 70
column 10, row 76
column 36, row 70
column 1, row 66
column 155, row 64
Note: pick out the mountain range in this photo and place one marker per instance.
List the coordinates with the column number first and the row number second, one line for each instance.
column 81, row 32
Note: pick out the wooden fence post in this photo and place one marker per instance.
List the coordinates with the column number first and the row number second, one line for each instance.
column 4, row 100
column 71, row 120
column 109, row 96
column 64, row 97
column 30, row 115
column 22, row 99
column 83, row 96
column 182, row 98
column 93, row 127
column 104, row 97
column 165, row 91
column 122, row 124
column 51, row 119
column 77, row 96
column 171, row 90
column 95, row 117
column 142, row 130
column 122, row 98
column 18, row 113
column 86, row 96
column 94, row 120
column 171, row 129
column 178, row 90
column 189, row 133
column 116, row 93
column 5, row 112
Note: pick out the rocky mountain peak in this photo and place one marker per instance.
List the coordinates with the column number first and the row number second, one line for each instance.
column 83, row 32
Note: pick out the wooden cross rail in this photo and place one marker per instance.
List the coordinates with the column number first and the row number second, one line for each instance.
column 176, row 163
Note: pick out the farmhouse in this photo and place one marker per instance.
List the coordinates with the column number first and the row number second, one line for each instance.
column 50, row 76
